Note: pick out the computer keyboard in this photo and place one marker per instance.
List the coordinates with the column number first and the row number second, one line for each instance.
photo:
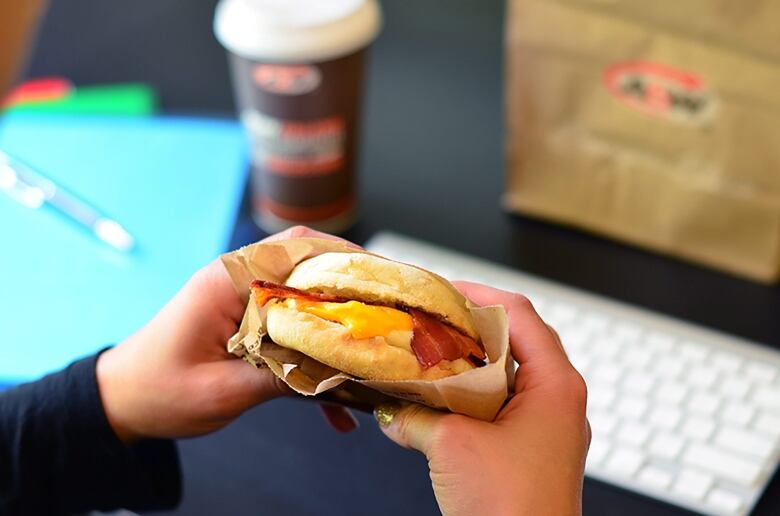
column 679, row 413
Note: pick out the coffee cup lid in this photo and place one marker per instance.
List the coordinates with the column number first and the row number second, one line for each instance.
column 296, row 30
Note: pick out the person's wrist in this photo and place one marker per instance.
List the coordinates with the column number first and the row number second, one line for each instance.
column 110, row 390
column 555, row 495
column 524, row 486
column 557, row 503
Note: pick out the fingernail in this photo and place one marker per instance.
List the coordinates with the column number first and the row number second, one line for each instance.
column 339, row 418
column 385, row 413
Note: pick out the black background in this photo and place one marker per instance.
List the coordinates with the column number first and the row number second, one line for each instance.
column 431, row 166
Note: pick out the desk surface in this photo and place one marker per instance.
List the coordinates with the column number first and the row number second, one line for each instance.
column 432, row 167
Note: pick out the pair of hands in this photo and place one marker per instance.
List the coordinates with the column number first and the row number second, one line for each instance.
column 174, row 378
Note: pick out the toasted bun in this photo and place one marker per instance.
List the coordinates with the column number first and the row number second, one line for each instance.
column 333, row 345
column 365, row 277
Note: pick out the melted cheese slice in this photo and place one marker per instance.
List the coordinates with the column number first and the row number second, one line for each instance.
column 363, row 321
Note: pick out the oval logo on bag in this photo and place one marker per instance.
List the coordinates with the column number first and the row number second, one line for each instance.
column 660, row 90
column 287, row 79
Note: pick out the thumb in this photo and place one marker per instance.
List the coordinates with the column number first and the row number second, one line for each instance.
column 409, row 425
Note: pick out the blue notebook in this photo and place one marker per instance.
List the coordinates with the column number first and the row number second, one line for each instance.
column 174, row 183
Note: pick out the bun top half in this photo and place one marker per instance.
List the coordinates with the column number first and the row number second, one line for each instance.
column 369, row 278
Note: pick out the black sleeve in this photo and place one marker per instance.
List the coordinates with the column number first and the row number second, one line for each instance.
column 59, row 455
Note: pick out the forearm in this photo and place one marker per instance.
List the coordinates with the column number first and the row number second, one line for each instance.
column 58, row 453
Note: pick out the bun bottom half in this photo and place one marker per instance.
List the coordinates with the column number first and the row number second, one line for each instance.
column 333, row 345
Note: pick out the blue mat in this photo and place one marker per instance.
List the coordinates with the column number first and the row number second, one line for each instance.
column 174, row 183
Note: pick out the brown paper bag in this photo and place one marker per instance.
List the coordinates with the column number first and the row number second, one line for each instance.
column 654, row 125
column 478, row 393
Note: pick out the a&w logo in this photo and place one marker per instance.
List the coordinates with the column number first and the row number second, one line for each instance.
column 287, row 79
column 660, row 90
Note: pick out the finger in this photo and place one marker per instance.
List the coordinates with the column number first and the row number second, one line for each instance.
column 531, row 341
column 557, row 338
column 210, row 291
column 249, row 385
column 409, row 425
column 304, row 232
column 589, row 432
column 339, row 418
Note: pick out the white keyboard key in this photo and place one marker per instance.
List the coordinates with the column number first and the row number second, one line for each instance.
column 602, row 423
column 768, row 424
column 701, row 376
column 665, row 417
column 692, row 484
column 606, row 346
column 738, row 413
column 655, row 477
column 631, row 406
column 704, row 404
column 593, row 322
column 637, row 357
column 722, row 463
column 633, row 434
column 639, row 383
column 723, row 500
column 627, row 331
column 561, row 314
column 744, row 441
column 694, row 351
column 624, row 461
column 761, row 371
column 767, row 397
column 605, row 373
column 668, row 366
column 660, row 341
column 698, row 428
column 600, row 396
column 666, row 446
column 573, row 337
column 581, row 362
column 671, row 393
column 598, row 450
column 725, row 361
column 734, row 387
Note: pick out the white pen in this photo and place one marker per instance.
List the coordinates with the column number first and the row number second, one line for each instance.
column 34, row 190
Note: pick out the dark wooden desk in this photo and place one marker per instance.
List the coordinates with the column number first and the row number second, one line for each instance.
column 431, row 167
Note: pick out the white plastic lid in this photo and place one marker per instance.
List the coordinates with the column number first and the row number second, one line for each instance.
column 296, row 30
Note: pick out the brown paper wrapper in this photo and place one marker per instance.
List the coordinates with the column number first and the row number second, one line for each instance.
column 478, row 393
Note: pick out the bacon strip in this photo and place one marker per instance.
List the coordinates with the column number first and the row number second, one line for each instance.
column 266, row 290
column 432, row 340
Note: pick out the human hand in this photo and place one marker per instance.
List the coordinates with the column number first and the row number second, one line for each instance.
column 530, row 460
column 174, row 377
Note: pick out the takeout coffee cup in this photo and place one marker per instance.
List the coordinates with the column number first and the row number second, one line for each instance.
column 297, row 69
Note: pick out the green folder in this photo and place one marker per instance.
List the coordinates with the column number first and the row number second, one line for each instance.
column 134, row 99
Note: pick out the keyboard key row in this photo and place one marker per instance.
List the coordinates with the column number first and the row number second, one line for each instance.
column 722, row 463
column 691, row 484
column 696, row 429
